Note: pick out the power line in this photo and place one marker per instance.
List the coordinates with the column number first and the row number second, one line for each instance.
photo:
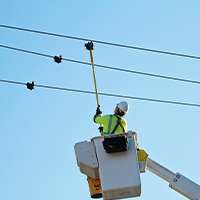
column 104, row 66
column 106, row 94
column 102, row 42
column 26, row 51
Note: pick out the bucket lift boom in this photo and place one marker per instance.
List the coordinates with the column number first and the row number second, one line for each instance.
column 176, row 181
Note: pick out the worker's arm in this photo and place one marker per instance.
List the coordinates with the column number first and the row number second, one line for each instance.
column 100, row 120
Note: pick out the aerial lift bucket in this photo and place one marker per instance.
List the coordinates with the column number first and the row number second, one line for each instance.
column 95, row 187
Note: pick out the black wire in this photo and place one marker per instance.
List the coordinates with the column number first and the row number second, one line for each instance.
column 107, row 94
column 26, row 51
column 106, row 67
column 102, row 42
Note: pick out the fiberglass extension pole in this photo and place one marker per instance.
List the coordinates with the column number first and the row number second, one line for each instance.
column 89, row 46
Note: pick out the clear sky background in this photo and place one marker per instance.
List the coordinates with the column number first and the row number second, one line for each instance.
column 38, row 128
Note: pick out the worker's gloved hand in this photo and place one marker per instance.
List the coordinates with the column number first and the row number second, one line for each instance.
column 101, row 129
column 98, row 111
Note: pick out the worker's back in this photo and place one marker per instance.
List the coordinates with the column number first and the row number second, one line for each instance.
column 109, row 123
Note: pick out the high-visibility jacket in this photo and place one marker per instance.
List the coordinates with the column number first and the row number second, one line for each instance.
column 109, row 122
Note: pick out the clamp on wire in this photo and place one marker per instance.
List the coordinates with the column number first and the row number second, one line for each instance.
column 89, row 45
column 58, row 59
column 30, row 86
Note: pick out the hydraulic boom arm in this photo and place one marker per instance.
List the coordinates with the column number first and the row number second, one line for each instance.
column 176, row 181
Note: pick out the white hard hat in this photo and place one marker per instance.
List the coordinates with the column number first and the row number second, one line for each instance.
column 123, row 106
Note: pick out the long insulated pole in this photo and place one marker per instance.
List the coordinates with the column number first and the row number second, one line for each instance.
column 95, row 84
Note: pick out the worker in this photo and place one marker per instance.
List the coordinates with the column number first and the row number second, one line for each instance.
column 113, row 124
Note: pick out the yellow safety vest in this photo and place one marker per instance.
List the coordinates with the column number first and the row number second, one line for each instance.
column 109, row 122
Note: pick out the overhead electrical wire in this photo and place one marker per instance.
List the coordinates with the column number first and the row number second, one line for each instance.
column 102, row 42
column 25, row 51
column 103, row 66
column 106, row 94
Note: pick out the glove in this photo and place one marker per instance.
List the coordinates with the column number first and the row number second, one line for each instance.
column 98, row 111
column 100, row 129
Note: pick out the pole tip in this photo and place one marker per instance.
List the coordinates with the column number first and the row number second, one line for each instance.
column 89, row 45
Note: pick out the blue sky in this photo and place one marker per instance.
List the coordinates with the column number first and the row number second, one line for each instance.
column 38, row 128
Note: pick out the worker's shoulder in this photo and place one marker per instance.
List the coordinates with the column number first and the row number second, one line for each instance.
column 104, row 116
column 107, row 116
column 119, row 117
column 124, row 120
